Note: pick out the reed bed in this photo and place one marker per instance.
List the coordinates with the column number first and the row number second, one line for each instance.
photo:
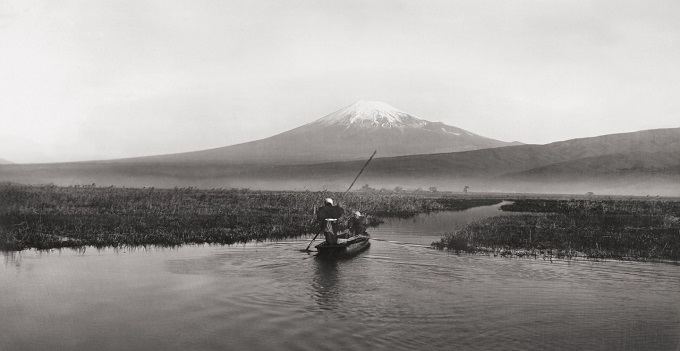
column 602, row 229
column 45, row 217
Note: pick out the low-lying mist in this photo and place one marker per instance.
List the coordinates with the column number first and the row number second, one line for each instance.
column 274, row 178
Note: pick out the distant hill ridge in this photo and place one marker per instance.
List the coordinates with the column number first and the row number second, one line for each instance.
column 646, row 160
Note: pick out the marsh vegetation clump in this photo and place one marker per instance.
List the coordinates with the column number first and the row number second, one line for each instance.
column 620, row 229
column 50, row 217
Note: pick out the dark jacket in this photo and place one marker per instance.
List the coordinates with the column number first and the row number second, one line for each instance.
column 329, row 212
column 357, row 225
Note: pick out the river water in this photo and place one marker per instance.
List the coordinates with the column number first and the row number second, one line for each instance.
column 397, row 295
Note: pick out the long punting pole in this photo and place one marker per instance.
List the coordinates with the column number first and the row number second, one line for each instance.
column 357, row 177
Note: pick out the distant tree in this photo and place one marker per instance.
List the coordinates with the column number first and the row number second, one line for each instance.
column 367, row 188
column 432, row 189
column 398, row 189
column 465, row 189
column 590, row 193
column 419, row 190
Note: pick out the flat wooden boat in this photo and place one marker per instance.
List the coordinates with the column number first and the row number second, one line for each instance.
column 344, row 248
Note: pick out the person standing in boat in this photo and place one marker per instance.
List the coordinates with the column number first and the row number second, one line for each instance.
column 357, row 224
column 328, row 216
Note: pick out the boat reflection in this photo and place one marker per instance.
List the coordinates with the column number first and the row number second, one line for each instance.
column 325, row 283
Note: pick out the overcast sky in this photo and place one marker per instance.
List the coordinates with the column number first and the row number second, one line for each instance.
column 83, row 80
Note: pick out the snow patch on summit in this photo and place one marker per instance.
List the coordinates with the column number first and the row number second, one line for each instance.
column 371, row 113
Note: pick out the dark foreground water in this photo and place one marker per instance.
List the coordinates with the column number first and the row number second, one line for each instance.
column 271, row 296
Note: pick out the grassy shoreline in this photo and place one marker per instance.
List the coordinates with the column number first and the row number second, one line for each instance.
column 46, row 217
column 602, row 229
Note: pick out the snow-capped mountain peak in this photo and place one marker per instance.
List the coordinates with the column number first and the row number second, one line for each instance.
column 371, row 113
column 350, row 133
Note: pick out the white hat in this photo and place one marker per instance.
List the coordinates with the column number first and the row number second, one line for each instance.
column 357, row 213
column 328, row 200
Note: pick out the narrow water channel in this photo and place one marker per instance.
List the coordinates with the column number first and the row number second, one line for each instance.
column 425, row 228
column 272, row 296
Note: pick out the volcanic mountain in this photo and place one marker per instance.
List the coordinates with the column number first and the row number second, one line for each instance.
column 351, row 133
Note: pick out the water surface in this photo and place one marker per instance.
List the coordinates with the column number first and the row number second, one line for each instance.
column 271, row 296
column 426, row 228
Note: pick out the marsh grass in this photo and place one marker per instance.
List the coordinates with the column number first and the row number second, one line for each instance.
column 620, row 229
column 45, row 217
